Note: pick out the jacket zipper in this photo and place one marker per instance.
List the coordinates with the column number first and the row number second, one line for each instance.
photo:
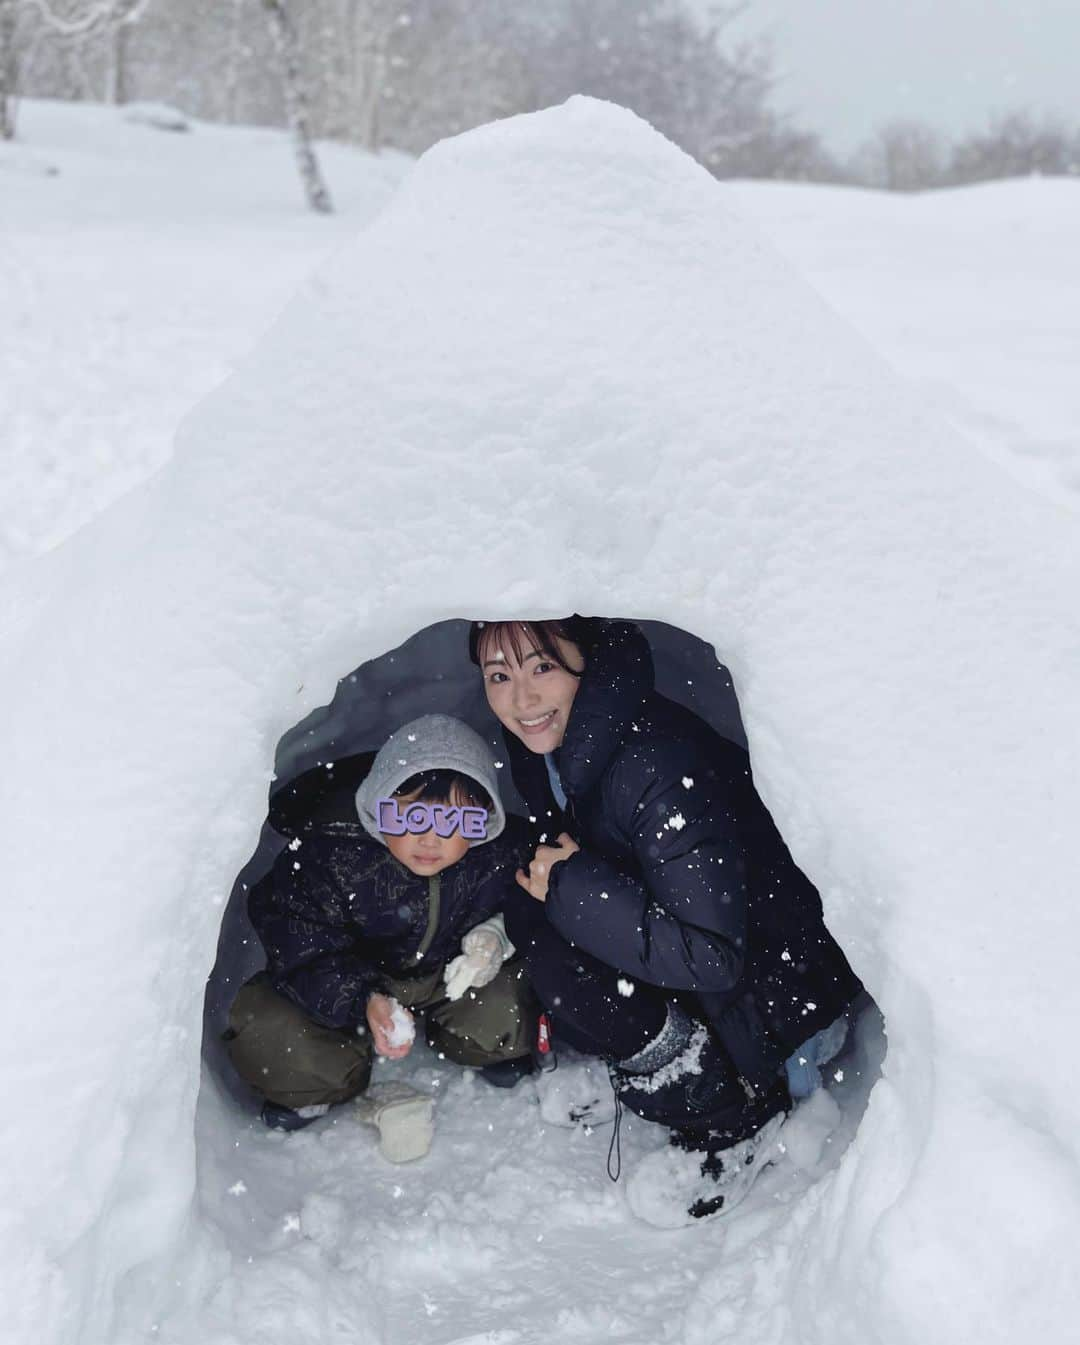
column 434, row 883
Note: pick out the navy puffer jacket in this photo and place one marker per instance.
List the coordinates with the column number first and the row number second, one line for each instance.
column 339, row 916
column 682, row 880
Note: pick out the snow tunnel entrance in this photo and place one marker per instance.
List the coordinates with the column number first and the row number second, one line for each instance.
column 314, row 1182
column 321, row 760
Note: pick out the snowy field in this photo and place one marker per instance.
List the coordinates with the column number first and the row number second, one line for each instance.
column 135, row 267
column 868, row 510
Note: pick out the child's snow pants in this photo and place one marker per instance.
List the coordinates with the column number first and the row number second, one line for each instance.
column 292, row 1060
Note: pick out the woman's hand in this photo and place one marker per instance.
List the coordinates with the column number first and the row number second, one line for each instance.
column 391, row 1024
column 535, row 882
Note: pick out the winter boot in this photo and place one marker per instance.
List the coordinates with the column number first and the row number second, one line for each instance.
column 577, row 1093
column 403, row 1117
column 277, row 1117
column 507, row 1073
column 683, row 1078
column 674, row 1186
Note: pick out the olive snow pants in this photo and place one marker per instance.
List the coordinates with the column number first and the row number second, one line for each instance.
column 292, row 1060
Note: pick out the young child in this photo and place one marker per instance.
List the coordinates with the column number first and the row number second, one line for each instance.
column 365, row 929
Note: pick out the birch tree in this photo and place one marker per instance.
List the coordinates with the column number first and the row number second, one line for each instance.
column 296, row 105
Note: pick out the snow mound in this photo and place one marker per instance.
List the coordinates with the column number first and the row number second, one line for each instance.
column 158, row 116
column 560, row 372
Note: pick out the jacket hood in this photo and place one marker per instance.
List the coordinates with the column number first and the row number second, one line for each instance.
column 430, row 743
column 617, row 681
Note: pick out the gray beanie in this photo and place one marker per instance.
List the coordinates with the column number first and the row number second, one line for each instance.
column 430, row 743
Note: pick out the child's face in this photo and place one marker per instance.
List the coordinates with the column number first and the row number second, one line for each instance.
column 428, row 852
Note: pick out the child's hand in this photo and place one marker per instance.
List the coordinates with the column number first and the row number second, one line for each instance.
column 392, row 1028
column 535, row 882
column 478, row 963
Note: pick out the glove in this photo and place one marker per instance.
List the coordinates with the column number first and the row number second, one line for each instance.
column 483, row 951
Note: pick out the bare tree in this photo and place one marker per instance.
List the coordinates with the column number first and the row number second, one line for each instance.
column 119, row 26
column 1016, row 145
column 9, row 67
column 80, row 22
column 234, row 58
column 370, row 32
column 902, row 156
column 296, row 105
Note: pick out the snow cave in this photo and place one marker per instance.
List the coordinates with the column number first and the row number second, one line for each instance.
column 559, row 372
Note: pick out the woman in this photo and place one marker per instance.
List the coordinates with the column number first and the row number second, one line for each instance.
column 666, row 927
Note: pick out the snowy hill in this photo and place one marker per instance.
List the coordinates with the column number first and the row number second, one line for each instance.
column 562, row 357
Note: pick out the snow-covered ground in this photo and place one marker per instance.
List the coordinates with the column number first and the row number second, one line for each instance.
column 972, row 294
column 136, row 266
column 564, row 362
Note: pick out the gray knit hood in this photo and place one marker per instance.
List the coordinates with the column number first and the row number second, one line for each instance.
column 430, row 743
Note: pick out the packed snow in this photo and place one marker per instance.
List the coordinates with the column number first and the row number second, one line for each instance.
column 402, row 1025
column 561, row 370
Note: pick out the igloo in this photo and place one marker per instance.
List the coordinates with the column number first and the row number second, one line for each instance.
column 559, row 373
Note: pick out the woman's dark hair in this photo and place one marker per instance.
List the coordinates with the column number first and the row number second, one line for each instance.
column 442, row 786
column 520, row 638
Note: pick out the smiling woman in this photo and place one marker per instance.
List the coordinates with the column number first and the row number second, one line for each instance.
column 656, row 866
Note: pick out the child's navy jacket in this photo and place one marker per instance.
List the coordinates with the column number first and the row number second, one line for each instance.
column 339, row 916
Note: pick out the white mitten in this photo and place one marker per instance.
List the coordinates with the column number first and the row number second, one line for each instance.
column 483, row 951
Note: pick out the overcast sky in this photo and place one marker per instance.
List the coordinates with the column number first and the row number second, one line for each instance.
column 848, row 65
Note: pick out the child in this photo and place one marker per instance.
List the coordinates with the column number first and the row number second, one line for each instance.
column 363, row 929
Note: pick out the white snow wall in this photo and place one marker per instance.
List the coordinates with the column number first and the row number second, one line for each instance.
column 561, row 372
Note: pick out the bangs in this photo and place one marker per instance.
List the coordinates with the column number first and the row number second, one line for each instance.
column 518, row 639
column 451, row 787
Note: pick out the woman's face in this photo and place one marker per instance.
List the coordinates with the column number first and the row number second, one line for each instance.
column 532, row 698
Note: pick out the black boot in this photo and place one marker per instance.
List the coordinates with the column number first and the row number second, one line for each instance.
column 683, row 1079
column 277, row 1117
column 507, row 1073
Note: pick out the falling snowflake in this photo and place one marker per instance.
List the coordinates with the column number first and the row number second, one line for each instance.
column 237, row 1189
column 626, row 988
column 688, row 782
column 676, row 821
column 291, row 1223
